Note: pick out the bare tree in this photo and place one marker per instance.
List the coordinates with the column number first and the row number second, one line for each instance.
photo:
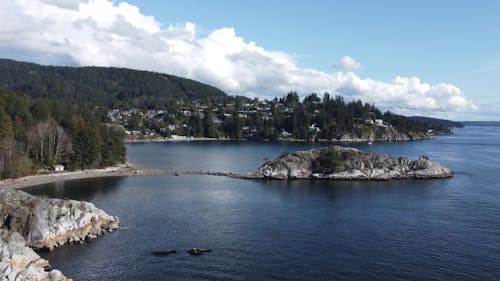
column 49, row 143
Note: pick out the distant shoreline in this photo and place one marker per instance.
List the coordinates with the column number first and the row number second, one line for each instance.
column 356, row 140
column 146, row 140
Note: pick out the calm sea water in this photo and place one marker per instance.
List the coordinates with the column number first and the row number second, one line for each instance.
column 297, row 230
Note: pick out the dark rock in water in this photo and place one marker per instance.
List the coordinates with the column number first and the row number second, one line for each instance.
column 198, row 251
column 163, row 252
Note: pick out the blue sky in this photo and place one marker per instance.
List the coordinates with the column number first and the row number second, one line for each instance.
column 439, row 41
column 452, row 42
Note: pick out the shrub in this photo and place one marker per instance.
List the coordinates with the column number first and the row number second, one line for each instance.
column 327, row 162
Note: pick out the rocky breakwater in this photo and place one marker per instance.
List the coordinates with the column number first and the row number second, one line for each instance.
column 345, row 163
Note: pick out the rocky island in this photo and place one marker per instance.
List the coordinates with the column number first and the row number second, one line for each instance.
column 345, row 163
column 36, row 222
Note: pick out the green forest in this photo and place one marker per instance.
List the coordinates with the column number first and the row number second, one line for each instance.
column 35, row 134
column 106, row 86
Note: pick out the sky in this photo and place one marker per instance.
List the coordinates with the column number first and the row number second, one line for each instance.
column 431, row 58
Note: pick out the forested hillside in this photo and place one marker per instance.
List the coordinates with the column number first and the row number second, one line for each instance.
column 436, row 123
column 287, row 118
column 35, row 134
column 98, row 85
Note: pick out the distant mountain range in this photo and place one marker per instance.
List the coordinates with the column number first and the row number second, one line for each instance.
column 435, row 122
column 481, row 123
column 100, row 85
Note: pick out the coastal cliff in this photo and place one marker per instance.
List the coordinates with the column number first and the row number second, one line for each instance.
column 345, row 163
column 50, row 222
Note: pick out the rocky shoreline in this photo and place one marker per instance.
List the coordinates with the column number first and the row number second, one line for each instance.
column 345, row 163
column 19, row 262
column 29, row 221
column 371, row 134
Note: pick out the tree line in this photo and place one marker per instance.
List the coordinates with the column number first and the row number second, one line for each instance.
column 35, row 134
column 243, row 118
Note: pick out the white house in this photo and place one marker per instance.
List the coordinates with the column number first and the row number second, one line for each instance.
column 57, row 168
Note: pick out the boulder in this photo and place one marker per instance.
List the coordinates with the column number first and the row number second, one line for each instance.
column 163, row 252
column 198, row 251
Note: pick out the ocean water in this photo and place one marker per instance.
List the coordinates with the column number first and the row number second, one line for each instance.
column 294, row 230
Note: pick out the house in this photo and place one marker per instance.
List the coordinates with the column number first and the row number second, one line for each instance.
column 57, row 168
column 380, row 122
column 285, row 134
column 314, row 129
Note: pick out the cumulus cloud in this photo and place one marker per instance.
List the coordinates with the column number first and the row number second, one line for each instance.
column 104, row 33
column 346, row 63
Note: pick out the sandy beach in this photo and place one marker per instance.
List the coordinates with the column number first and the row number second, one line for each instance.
column 116, row 171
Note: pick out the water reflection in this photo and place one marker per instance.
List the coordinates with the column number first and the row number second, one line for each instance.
column 339, row 188
column 84, row 189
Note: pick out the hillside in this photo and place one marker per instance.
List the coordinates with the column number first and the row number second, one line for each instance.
column 436, row 123
column 160, row 105
column 481, row 123
column 101, row 85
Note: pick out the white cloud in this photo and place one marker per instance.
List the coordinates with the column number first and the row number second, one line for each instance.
column 100, row 32
column 346, row 63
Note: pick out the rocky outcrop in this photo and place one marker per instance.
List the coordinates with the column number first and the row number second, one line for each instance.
column 380, row 133
column 198, row 251
column 50, row 222
column 164, row 252
column 19, row 262
column 345, row 163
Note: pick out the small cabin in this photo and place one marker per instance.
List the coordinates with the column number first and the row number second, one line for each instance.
column 57, row 168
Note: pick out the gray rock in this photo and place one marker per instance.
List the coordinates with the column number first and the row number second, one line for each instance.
column 50, row 222
column 19, row 262
column 349, row 164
